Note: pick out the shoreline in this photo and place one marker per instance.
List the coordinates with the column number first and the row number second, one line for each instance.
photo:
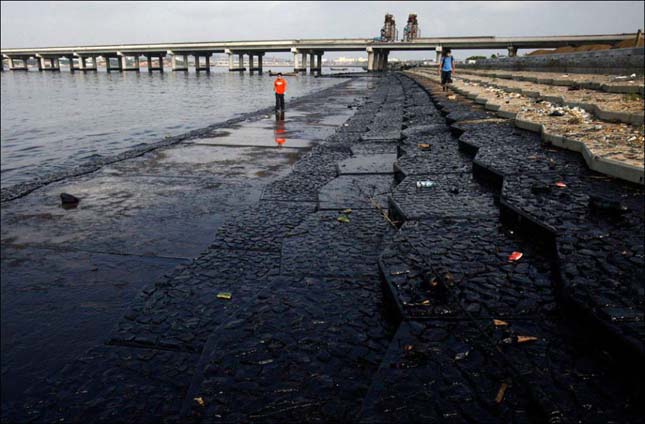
column 19, row 190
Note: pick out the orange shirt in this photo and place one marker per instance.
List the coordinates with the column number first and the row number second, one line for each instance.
column 280, row 86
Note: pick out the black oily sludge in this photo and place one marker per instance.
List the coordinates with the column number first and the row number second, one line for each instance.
column 434, row 291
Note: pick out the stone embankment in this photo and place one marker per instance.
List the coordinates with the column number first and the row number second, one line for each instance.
column 380, row 281
column 612, row 148
column 615, row 61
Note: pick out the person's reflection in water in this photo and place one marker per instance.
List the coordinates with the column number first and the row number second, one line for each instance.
column 279, row 131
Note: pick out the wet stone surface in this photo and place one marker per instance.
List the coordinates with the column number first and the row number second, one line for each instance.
column 599, row 227
column 446, row 376
column 432, row 155
column 451, row 195
column 505, row 150
column 305, row 351
column 449, row 267
column 365, row 148
column 323, row 246
column 174, row 315
column 367, row 164
column 312, row 172
column 91, row 388
column 261, row 227
column 356, row 192
column 180, row 312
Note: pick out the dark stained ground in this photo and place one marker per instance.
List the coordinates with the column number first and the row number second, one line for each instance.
column 407, row 309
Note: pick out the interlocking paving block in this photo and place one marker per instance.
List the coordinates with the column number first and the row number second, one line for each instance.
column 436, row 159
column 342, row 139
column 356, row 192
column 382, row 135
column 599, row 230
column 438, row 371
column 365, row 148
column 451, row 195
column 367, row 164
column 444, row 267
column 310, row 173
column 262, row 227
column 180, row 312
column 484, row 134
column 418, row 131
column 503, row 150
column 304, row 352
column 523, row 159
column 324, row 246
column 109, row 384
column 567, row 378
column 562, row 207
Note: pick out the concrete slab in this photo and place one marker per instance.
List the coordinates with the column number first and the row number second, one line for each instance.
column 368, row 164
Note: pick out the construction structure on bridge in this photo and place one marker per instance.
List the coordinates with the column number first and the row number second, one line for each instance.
column 411, row 30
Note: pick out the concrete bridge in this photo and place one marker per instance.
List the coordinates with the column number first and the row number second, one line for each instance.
column 307, row 53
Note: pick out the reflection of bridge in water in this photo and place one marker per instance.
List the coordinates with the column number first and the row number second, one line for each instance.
column 307, row 53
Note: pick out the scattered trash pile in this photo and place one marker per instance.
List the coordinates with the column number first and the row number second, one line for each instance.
column 572, row 94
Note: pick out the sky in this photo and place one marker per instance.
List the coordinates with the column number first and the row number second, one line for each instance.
column 43, row 24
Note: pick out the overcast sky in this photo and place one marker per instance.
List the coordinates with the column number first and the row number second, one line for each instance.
column 38, row 24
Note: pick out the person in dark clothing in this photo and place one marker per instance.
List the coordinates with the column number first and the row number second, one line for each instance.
column 446, row 69
column 280, row 87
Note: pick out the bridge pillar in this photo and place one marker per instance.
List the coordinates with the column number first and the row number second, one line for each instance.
column 231, row 61
column 14, row 67
column 54, row 64
column 81, row 63
column 384, row 59
column 240, row 62
column 252, row 66
column 108, row 63
column 151, row 66
column 207, row 63
column 124, row 62
column 312, row 63
column 319, row 56
column 303, row 63
column 72, row 67
column 176, row 67
column 370, row 59
column 512, row 51
column 87, row 68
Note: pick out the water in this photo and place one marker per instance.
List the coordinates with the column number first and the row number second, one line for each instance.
column 56, row 120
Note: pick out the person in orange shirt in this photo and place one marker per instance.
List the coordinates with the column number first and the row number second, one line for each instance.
column 280, row 87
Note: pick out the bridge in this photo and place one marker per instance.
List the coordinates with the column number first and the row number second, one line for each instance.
column 125, row 57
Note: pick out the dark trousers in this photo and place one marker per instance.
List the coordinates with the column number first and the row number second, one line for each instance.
column 279, row 101
column 446, row 77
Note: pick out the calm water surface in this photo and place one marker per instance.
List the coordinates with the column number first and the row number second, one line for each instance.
column 55, row 120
